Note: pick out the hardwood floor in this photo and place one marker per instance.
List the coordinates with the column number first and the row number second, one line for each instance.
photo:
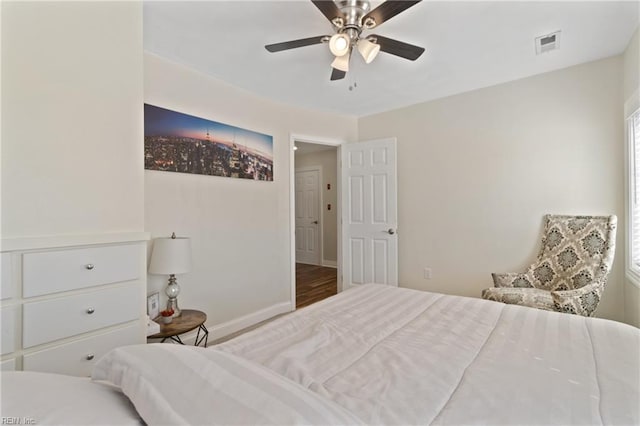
column 314, row 283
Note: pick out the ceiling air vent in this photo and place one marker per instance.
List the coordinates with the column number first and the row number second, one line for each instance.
column 547, row 43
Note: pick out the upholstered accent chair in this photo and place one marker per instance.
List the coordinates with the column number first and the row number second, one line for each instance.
column 571, row 270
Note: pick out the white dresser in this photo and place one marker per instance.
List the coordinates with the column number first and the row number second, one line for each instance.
column 65, row 302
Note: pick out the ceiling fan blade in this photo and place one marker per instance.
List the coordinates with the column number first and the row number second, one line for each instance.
column 285, row 45
column 329, row 9
column 398, row 48
column 336, row 74
column 386, row 11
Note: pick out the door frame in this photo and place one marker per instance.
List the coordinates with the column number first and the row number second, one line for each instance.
column 320, row 235
column 293, row 138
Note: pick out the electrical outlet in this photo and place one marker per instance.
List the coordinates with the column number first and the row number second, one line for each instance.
column 427, row 273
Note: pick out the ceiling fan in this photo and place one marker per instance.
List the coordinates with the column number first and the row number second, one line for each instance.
column 349, row 19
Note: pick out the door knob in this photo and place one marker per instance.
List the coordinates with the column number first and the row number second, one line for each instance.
column 315, row 222
column 390, row 231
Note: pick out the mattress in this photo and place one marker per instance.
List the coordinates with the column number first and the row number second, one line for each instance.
column 399, row 356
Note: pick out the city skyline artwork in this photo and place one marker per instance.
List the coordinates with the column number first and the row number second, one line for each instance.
column 177, row 142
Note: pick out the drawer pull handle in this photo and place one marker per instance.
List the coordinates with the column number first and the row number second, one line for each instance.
column 90, row 357
column 90, row 311
column 89, row 266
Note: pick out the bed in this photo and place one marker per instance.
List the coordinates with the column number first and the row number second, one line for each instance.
column 381, row 355
column 400, row 356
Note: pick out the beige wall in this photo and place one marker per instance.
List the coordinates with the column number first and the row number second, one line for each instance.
column 328, row 161
column 631, row 86
column 71, row 118
column 631, row 60
column 478, row 171
column 239, row 228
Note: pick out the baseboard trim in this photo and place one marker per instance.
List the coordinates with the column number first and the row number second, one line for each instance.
column 330, row 263
column 218, row 331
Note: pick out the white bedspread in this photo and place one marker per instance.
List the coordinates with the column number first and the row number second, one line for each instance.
column 399, row 356
column 185, row 385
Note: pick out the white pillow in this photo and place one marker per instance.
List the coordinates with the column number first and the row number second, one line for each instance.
column 175, row 384
column 54, row 399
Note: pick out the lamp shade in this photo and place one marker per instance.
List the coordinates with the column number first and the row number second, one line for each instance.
column 368, row 50
column 170, row 256
column 339, row 44
column 341, row 63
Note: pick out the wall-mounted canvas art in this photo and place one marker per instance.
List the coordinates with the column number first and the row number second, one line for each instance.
column 176, row 142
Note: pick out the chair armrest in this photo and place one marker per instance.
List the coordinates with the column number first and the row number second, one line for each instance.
column 512, row 279
column 581, row 301
column 531, row 297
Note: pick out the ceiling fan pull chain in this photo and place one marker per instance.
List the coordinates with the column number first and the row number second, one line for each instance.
column 353, row 85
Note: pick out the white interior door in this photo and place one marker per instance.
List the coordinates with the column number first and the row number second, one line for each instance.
column 307, row 195
column 369, row 213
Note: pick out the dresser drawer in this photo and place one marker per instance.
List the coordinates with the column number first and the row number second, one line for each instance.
column 8, row 365
column 53, row 319
column 6, row 276
column 64, row 270
column 8, row 318
column 78, row 358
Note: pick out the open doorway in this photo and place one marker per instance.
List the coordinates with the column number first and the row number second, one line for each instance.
column 316, row 218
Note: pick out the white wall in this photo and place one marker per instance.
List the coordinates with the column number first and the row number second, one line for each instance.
column 71, row 118
column 239, row 228
column 477, row 172
column 328, row 160
column 631, row 61
column 631, row 85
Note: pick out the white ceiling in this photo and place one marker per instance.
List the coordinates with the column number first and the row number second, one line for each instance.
column 469, row 45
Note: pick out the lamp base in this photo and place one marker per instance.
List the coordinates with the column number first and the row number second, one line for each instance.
column 172, row 303
column 172, row 291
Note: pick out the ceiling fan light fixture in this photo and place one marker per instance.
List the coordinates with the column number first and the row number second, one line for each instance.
column 368, row 50
column 341, row 63
column 339, row 44
column 349, row 18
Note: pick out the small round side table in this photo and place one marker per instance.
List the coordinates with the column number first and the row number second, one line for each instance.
column 189, row 320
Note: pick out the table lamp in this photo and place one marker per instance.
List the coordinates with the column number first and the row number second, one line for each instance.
column 171, row 256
